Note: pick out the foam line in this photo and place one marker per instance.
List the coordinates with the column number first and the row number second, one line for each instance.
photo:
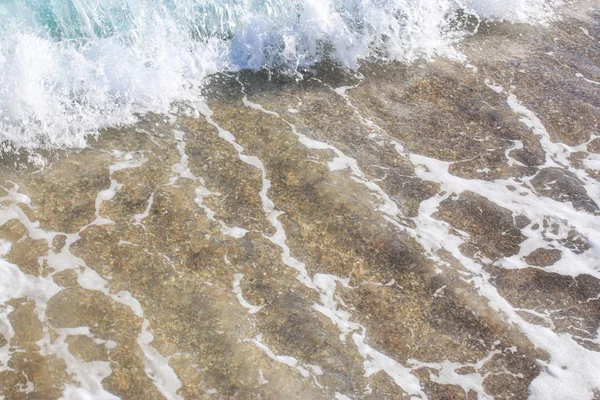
column 40, row 289
column 237, row 289
column 279, row 237
column 568, row 374
column 139, row 218
column 182, row 171
column 286, row 360
column 157, row 366
column 564, row 376
column 324, row 284
column 340, row 162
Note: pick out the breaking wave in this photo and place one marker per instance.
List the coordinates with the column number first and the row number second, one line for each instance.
column 69, row 68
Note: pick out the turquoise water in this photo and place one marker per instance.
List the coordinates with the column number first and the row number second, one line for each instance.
column 69, row 68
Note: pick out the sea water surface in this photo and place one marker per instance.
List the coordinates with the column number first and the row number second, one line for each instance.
column 359, row 199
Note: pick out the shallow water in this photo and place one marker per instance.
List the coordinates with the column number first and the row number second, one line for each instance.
column 426, row 230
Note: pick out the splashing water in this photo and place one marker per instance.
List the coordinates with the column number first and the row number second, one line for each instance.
column 71, row 67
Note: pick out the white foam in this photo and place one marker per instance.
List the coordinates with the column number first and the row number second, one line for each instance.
column 592, row 161
column 279, row 237
column 376, row 361
column 570, row 374
column 325, row 284
column 340, row 162
column 261, row 378
column 16, row 284
column 533, row 207
column 139, row 218
column 125, row 161
column 286, row 360
column 67, row 72
column 586, row 79
column 237, row 289
column 329, row 307
column 182, row 169
column 446, row 374
column 157, row 366
column 89, row 375
column 571, row 371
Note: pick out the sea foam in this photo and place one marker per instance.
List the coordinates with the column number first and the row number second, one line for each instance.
column 69, row 68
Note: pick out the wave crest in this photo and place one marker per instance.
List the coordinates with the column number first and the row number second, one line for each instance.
column 69, row 68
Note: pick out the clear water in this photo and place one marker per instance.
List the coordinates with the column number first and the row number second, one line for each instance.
column 414, row 229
